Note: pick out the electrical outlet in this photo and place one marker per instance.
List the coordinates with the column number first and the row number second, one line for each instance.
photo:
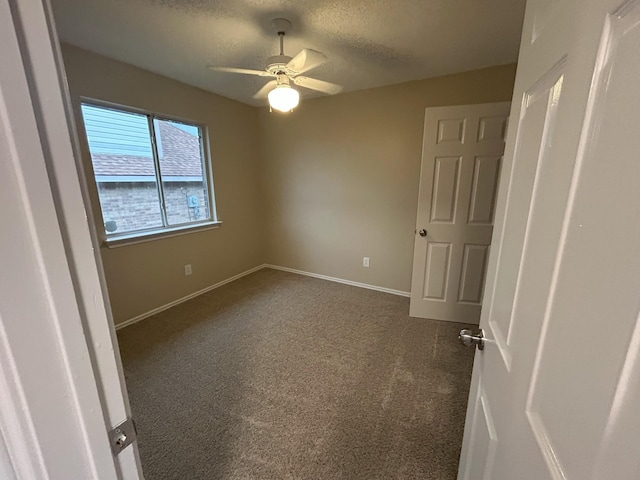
column 365, row 261
column 187, row 270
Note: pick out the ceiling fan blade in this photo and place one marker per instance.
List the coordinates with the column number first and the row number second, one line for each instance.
column 244, row 71
column 306, row 60
column 267, row 87
column 319, row 85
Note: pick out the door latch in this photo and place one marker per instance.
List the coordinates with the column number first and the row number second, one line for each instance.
column 122, row 436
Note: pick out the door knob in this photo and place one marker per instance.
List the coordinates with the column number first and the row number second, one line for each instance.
column 423, row 233
column 467, row 338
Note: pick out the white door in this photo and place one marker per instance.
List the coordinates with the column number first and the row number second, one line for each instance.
column 555, row 391
column 55, row 328
column 461, row 156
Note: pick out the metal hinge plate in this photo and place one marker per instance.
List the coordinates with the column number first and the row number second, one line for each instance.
column 122, row 436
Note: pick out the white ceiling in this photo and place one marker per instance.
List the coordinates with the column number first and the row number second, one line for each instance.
column 369, row 42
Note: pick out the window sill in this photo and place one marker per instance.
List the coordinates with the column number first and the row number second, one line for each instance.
column 131, row 239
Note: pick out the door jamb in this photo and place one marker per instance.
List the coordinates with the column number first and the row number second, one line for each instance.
column 45, row 79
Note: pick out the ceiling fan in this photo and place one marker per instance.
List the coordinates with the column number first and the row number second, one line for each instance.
column 287, row 70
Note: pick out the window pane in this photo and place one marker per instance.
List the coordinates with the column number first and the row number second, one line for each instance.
column 181, row 168
column 120, row 146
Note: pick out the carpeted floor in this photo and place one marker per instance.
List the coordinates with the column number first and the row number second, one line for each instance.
column 281, row 376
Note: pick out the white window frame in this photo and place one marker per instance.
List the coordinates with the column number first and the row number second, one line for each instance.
column 154, row 233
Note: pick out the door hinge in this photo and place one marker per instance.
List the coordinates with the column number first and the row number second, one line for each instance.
column 122, row 436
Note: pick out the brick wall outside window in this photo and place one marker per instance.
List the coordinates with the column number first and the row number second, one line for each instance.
column 135, row 206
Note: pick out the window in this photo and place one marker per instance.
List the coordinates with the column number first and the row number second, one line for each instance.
column 150, row 172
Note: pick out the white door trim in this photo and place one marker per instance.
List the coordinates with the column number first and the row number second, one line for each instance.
column 64, row 390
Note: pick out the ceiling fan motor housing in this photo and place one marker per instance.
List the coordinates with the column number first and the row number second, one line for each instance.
column 278, row 63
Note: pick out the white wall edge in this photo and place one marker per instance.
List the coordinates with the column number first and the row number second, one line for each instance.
column 167, row 306
column 340, row 280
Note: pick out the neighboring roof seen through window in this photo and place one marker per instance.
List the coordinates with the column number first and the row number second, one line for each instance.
column 119, row 144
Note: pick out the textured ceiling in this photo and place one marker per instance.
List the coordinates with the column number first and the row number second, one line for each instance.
column 369, row 42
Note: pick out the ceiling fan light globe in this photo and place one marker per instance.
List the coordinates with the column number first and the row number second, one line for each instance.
column 284, row 98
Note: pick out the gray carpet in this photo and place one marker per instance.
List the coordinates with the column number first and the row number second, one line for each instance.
column 280, row 376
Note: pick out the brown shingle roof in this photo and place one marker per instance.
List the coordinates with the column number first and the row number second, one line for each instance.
column 180, row 156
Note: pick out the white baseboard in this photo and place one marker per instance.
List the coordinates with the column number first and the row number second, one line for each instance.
column 340, row 280
column 142, row 316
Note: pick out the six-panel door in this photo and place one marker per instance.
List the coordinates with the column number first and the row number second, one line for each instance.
column 462, row 152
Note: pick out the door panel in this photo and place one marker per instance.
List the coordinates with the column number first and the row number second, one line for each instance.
column 560, row 367
column 445, row 189
column 437, row 271
column 451, row 131
column 474, row 261
column 483, row 193
column 491, row 129
column 485, row 441
column 462, row 150
column 536, row 127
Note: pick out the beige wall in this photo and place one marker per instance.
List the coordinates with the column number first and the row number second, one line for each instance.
column 145, row 276
column 341, row 175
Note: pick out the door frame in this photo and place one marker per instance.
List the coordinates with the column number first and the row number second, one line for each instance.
column 86, row 340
